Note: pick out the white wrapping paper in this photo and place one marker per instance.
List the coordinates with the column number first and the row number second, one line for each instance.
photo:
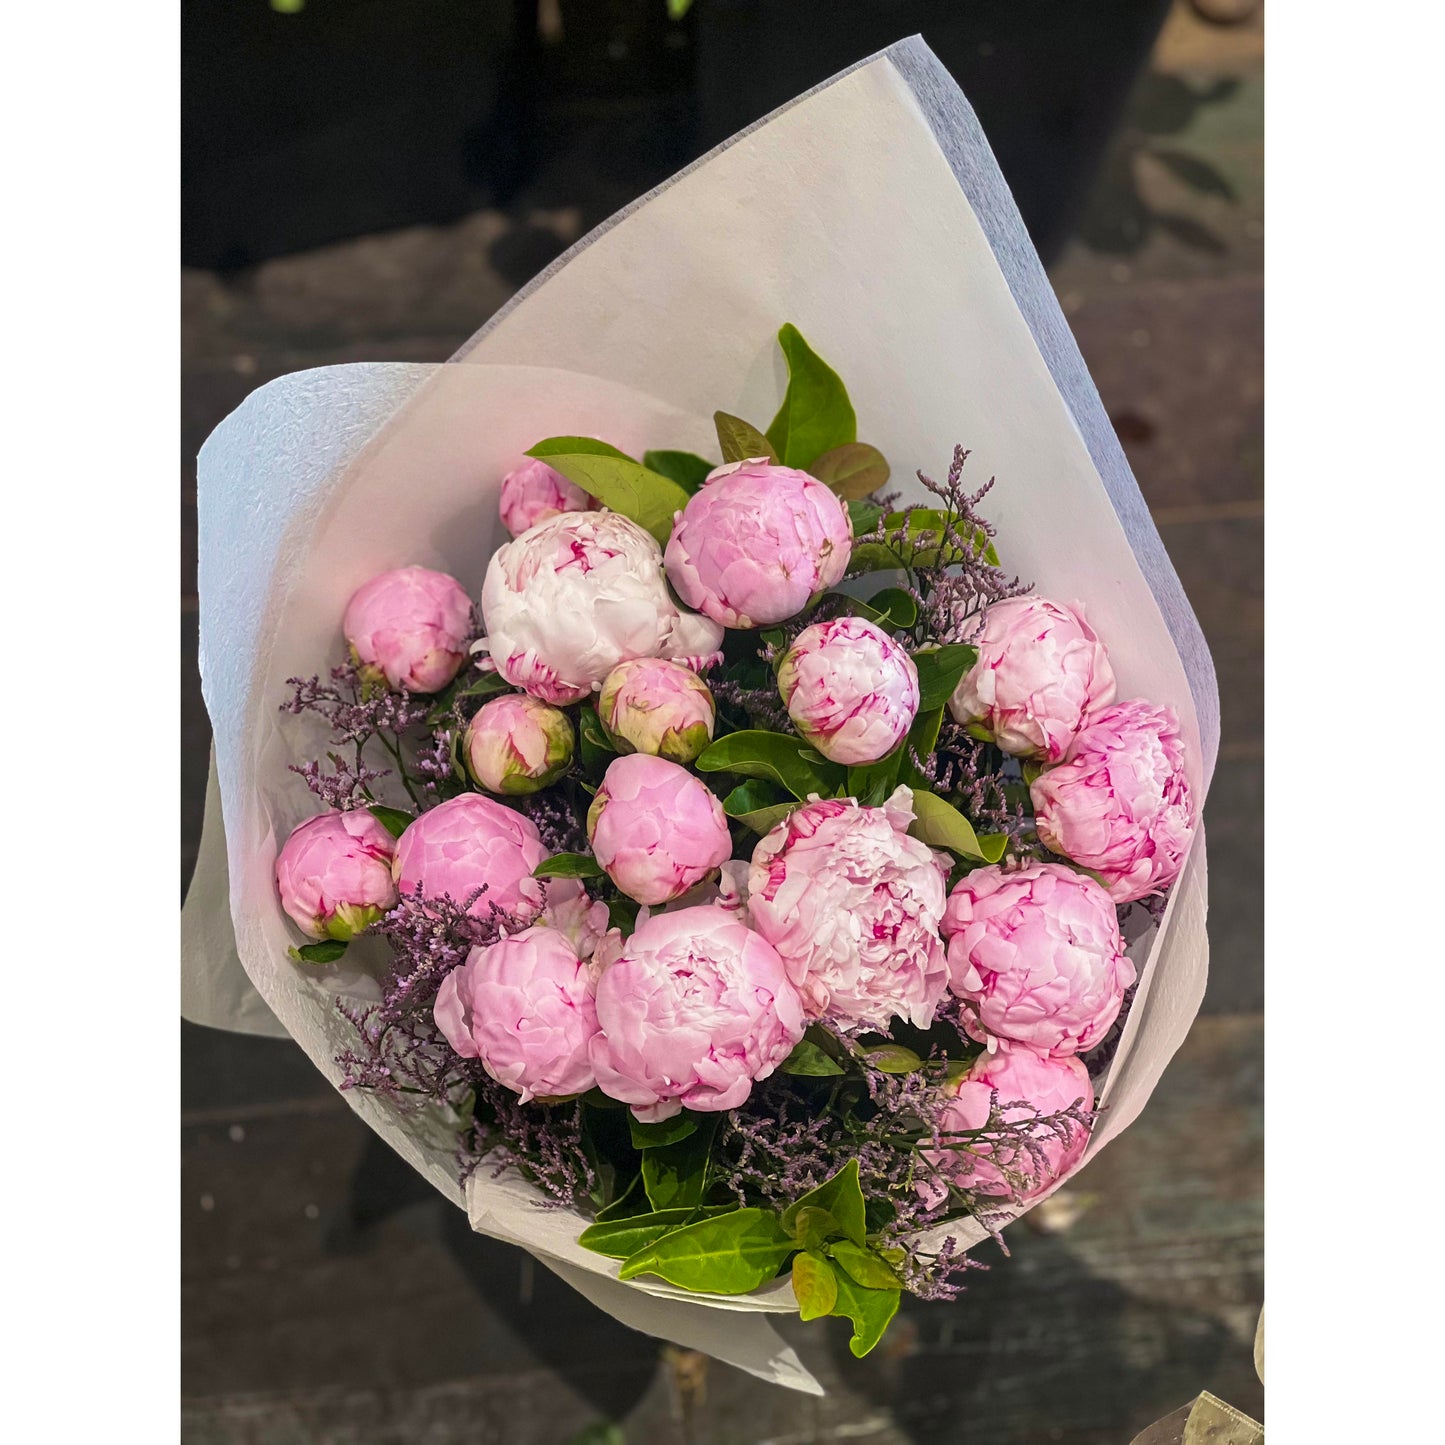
column 870, row 214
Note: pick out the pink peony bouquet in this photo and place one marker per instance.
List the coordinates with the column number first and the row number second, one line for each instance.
column 751, row 868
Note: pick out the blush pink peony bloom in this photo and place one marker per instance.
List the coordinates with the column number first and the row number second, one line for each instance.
column 567, row 601
column 850, row 689
column 517, row 744
column 573, row 912
column 334, row 874
column 1119, row 804
column 756, row 542
column 523, row 1006
column 410, row 625
column 853, row 905
column 649, row 705
column 1040, row 672
column 656, row 829
column 693, row 1009
column 534, row 491
column 467, row 843
column 1037, row 953
column 1042, row 1086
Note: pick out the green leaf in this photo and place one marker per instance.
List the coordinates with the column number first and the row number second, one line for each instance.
column 814, row 1285
column 568, row 865
column 731, row 1253
column 941, row 825
column 327, row 951
column 676, row 1175
column 595, row 748
column 647, row 497
column 813, row 1227
column 892, row 1059
column 1032, row 769
column 392, row 819
column 842, row 1197
column 863, row 1266
column 757, row 753
column 939, row 671
column 816, row 415
column 871, row 783
column 622, row 914
column 620, row 1238
column 993, row 846
column 740, row 440
column 486, row 685
column 864, row 516
column 809, row 1061
column 871, row 1311
column 667, row 1131
column 628, row 1205
column 853, row 471
column 891, row 608
column 754, row 804
column 922, row 739
column 684, row 468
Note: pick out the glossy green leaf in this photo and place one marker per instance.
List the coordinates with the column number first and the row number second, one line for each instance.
column 676, row 1174
column 740, row 440
column 814, row 1285
column 863, row 1266
column 731, row 1253
column 665, row 1131
column 939, row 672
column 647, row 497
column 757, row 753
column 892, row 608
column 842, row 1197
column 809, row 1061
column 622, row 914
column 568, row 865
column 468, row 685
column 864, row 516
column 892, row 1059
column 871, row 1311
column 687, row 469
column 872, row 783
column 327, row 951
column 941, row 825
column 922, row 739
column 628, row 1205
column 816, row 415
column 813, row 1227
column 993, row 846
column 620, row 1238
column 854, row 470
column 392, row 819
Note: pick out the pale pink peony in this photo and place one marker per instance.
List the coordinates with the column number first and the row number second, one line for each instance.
column 524, row 1007
column 693, row 1008
column 534, row 491
column 850, row 689
column 517, row 744
column 1038, row 956
column 756, row 542
column 1119, row 804
column 573, row 912
column 410, row 625
column 1041, row 671
column 853, row 904
column 567, row 601
column 1042, row 1086
column 334, row 874
column 650, row 705
column 466, row 843
column 655, row 828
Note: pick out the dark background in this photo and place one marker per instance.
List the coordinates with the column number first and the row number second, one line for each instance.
column 369, row 181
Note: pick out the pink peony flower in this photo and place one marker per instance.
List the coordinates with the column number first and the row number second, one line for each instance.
column 756, row 542
column 1043, row 1086
column 853, row 904
column 517, row 744
column 334, row 874
column 693, row 1009
column 582, row 919
column 465, row 844
column 534, row 491
column 411, row 625
column 649, row 705
column 850, row 689
column 656, row 829
column 1119, row 803
column 1038, row 955
column 567, row 601
column 1040, row 672
column 524, row 1007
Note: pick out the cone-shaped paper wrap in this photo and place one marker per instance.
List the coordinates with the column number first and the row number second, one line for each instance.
column 870, row 213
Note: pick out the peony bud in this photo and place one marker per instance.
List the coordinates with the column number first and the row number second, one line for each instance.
column 516, row 744
column 656, row 829
column 649, row 705
column 850, row 689
column 411, row 626
column 756, row 543
column 534, row 491
column 334, row 874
